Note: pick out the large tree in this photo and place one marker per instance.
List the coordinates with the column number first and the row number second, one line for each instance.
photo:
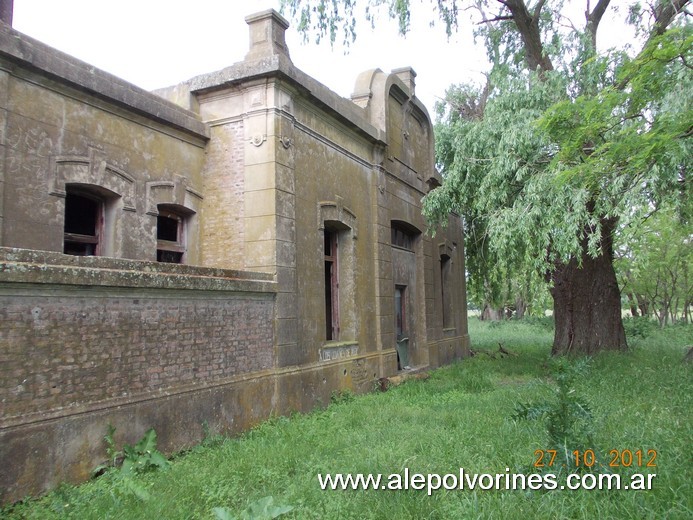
column 563, row 147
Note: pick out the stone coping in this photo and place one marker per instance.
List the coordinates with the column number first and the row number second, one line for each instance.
column 33, row 54
column 282, row 66
column 47, row 267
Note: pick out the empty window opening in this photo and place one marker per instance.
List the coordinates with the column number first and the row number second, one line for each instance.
column 400, row 311
column 170, row 237
column 402, row 339
column 446, row 291
column 83, row 224
column 331, row 286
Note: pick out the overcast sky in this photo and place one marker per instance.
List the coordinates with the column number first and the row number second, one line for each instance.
column 157, row 43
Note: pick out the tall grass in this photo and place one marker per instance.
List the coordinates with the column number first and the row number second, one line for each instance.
column 460, row 417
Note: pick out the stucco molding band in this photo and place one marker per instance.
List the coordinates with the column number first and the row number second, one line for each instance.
column 335, row 211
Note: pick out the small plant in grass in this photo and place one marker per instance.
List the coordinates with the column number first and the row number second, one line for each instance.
column 137, row 458
column 133, row 459
column 567, row 416
column 342, row 396
column 263, row 509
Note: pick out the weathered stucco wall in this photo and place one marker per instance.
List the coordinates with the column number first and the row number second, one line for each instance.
column 57, row 133
column 266, row 163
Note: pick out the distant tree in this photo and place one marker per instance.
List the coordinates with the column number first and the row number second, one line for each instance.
column 657, row 268
column 562, row 146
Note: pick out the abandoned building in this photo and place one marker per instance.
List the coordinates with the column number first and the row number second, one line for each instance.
column 243, row 244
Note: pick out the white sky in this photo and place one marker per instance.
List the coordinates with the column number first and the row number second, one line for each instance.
column 158, row 43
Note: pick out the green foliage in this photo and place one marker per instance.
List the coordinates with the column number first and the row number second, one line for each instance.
column 342, row 396
column 639, row 327
column 330, row 18
column 209, row 438
column 263, row 509
column 538, row 163
column 567, row 416
column 133, row 459
column 656, row 264
column 542, row 322
column 143, row 456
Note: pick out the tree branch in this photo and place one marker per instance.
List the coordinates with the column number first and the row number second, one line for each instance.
column 593, row 20
column 664, row 13
column 495, row 19
column 537, row 10
column 530, row 33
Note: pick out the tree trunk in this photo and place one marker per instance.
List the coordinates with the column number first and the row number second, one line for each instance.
column 633, row 305
column 520, row 308
column 587, row 303
column 490, row 314
column 643, row 305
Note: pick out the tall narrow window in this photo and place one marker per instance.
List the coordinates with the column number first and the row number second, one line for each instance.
column 446, row 294
column 331, row 286
column 83, row 224
column 400, row 311
column 170, row 237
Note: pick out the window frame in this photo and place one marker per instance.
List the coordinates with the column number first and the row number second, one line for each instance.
column 178, row 247
column 445, row 288
column 331, row 262
column 403, row 235
column 94, row 240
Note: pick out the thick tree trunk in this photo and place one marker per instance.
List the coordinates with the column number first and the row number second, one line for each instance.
column 587, row 303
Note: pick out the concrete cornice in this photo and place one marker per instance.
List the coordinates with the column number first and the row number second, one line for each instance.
column 27, row 52
column 282, row 67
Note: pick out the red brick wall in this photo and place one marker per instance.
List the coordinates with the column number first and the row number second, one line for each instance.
column 63, row 350
column 88, row 342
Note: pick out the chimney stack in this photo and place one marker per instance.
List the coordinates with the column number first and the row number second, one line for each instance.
column 267, row 35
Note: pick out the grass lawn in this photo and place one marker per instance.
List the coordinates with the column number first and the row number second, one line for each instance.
column 461, row 417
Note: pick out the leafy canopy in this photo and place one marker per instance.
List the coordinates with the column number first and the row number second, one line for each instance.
column 563, row 140
column 538, row 162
